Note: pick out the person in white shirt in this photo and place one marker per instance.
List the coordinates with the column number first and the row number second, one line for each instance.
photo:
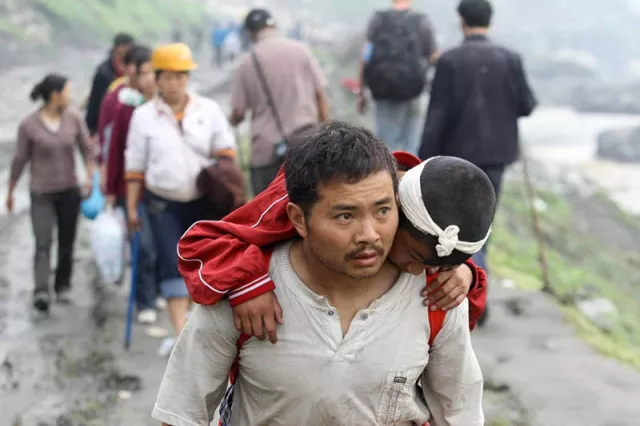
column 354, row 349
column 171, row 139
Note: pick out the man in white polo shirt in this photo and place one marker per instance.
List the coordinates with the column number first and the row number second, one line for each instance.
column 354, row 349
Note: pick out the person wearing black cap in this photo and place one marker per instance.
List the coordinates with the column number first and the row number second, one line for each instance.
column 113, row 67
column 282, row 99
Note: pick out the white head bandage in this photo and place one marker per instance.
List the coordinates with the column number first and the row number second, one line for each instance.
column 416, row 212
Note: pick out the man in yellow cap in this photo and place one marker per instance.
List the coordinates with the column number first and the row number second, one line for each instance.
column 171, row 139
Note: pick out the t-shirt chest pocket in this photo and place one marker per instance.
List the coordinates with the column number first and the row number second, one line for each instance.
column 197, row 135
column 397, row 395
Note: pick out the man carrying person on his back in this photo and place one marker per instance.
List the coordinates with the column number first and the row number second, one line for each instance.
column 140, row 88
column 479, row 92
column 399, row 47
column 282, row 85
column 357, row 342
column 112, row 68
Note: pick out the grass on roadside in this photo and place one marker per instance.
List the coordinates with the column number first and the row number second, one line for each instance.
column 578, row 262
column 139, row 17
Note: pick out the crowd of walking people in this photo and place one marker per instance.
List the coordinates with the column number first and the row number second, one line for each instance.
column 350, row 284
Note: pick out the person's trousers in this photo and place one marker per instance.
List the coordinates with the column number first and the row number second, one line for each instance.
column 399, row 124
column 261, row 177
column 147, row 286
column 169, row 221
column 495, row 174
column 61, row 210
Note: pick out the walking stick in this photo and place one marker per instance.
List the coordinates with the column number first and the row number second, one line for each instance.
column 135, row 247
column 531, row 195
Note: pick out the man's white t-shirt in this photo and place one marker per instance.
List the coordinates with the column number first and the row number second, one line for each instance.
column 314, row 376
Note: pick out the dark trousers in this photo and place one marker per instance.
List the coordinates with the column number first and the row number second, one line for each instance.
column 261, row 177
column 147, row 286
column 495, row 174
column 59, row 209
column 169, row 221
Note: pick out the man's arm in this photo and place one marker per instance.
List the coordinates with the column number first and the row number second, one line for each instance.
column 98, row 90
column 526, row 99
column 197, row 373
column 452, row 382
column 319, row 84
column 437, row 122
column 239, row 101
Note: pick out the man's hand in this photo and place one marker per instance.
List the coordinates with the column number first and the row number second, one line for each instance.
column 362, row 103
column 255, row 316
column 10, row 202
column 449, row 289
column 134, row 221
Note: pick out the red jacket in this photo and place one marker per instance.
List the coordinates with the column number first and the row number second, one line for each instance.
column 227, row 257
column 116, row 184
column 108, row 110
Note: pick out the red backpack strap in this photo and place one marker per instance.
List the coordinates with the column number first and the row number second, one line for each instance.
column 436, row 320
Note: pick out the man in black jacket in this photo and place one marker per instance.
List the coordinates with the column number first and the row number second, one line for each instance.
column 478, row 94
column 112, row 68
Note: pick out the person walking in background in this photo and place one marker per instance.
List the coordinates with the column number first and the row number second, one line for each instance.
column 217, row 37
column 400, row 46
column 281, row 83
column 171, row 139
column 478, row 93
column 108, row 110
column 47, row 140
column 140, row 88
column 112, row 68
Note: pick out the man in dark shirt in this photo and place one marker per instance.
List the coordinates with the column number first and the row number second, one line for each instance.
column 478, row 94
column 109, row 70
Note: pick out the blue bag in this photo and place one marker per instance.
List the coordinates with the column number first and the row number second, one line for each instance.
column 93, row 205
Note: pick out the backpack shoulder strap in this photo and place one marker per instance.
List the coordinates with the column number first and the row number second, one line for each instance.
column 436, row 321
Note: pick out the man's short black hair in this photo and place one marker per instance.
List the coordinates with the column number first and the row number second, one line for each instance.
column 258, row 19
column 333, row 152
column 123, row 39
column 455, row 192
column 475, row 13
column 138, row 55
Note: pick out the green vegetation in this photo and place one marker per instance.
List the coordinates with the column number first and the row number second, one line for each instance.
column 585, row 258
column 106, row 17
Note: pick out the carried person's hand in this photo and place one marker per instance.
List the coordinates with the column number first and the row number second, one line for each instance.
column 449, row 289
column 259, row 316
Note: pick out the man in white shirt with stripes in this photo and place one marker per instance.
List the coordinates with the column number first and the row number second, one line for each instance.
column 354, row 349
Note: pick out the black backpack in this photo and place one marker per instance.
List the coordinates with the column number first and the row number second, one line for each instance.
column 395, row 70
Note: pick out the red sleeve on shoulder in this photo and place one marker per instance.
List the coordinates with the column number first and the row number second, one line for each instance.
column 477, row 295
column 228, row 257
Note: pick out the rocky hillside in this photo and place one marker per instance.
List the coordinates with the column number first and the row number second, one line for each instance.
column 89, row 22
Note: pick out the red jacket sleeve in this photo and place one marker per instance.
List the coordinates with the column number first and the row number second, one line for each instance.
column 225, row 258
column 117, row 146
column 477, row 294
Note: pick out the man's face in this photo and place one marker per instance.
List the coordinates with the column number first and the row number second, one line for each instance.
column 414, row 256
column 350, row 229
column 120, row 51
column 173, row 85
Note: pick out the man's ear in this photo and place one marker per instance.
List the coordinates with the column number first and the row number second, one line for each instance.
column 297, row 218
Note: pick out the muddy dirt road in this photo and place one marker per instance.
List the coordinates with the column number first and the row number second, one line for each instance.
column 68, row 368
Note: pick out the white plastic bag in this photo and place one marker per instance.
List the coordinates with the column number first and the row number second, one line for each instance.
column 107, row 242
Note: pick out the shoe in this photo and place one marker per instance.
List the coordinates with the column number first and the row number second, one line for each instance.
column 63, row 298
column 147, row 316
column 41, row 303
column 161, row 303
